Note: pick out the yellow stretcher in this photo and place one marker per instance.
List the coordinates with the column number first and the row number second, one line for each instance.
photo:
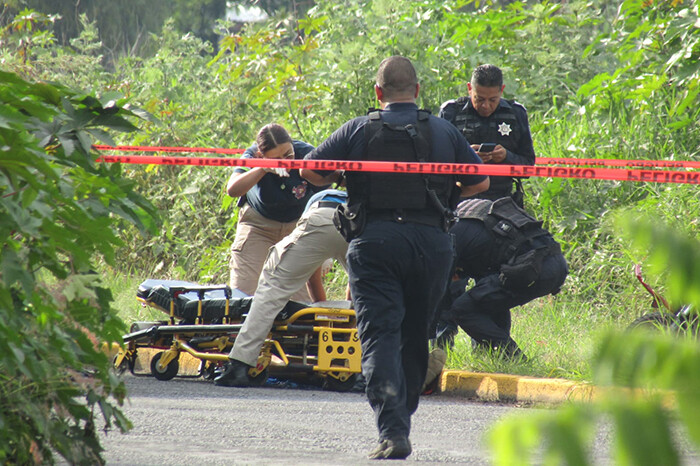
column 315, row 342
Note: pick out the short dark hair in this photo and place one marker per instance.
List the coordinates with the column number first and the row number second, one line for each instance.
column 271, row 136
column 487, row 76
column 396, row 76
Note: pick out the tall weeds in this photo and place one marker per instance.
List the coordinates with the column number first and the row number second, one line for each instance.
column 598, row 81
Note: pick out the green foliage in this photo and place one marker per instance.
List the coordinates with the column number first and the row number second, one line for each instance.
column 124, row 25
column 599, row 82
column 542, row 76
column 58, row 209
column 643, row 420
column 276, row 7
column 272, row 70
column 198, row 17
column 659, row 42
column 27, row 31
column 189, row 196
column 667, row 249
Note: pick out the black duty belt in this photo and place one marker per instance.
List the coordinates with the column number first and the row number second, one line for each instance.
column 423, row 218
column 332, row 204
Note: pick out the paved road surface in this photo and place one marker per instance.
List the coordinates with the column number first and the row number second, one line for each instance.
column 191, row 421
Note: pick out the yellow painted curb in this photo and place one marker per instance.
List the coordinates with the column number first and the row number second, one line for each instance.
column 503, row 387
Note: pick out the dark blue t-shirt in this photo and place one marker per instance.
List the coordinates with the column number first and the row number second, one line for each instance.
column 280, row 198
column 448, row 145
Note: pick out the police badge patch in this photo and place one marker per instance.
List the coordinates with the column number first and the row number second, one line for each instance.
column 504, row 129
column 299, row 190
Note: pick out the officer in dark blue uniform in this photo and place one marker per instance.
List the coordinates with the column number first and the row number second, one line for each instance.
column 271, row 201
column 400, row 253
column 485, row 117
column 512, row 259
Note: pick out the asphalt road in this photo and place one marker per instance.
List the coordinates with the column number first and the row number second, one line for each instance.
column 191, row 421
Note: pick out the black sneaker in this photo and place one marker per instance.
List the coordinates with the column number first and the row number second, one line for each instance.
column 513, row 352
column 235, row 374
column 392, row 449
column 508, row 350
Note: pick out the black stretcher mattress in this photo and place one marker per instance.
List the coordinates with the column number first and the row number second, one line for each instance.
column 186, row 300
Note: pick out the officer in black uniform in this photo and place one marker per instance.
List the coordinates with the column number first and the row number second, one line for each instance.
column 400, row 253
column 484, row 117
column 512, row 259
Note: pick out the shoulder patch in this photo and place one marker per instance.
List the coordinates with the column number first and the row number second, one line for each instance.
column 447, row 104
column 515, row 103
column 459, row 102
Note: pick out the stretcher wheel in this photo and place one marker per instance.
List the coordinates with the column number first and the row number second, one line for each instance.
column 123, row 365
column 207, row 370
column 170, row 370
column 336, row 385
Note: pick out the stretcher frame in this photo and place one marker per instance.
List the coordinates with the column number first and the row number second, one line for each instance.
column 319, row 340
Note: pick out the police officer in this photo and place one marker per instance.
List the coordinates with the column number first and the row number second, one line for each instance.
column 400, row 253
column 271, row 202
column 513, row 261
column 485, row 117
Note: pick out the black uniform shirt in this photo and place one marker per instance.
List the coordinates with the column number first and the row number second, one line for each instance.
column 520, row 150
column 282, row 199
column 448, row 146
column 513, row 134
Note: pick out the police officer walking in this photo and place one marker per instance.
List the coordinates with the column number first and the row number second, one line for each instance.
column 484, row 117
column 513, row 261
column 400, row 253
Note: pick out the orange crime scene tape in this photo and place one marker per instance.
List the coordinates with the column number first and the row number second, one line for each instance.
column 579, row 168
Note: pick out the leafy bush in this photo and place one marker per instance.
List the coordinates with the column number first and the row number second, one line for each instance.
column 660, row 369
column 58, row 210
column 599, row 82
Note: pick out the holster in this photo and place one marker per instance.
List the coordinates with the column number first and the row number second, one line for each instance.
column 522, row 271
column 519, row 194
column 350, row 220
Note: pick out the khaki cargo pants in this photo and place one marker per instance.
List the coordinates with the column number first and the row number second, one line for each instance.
column 289, row 265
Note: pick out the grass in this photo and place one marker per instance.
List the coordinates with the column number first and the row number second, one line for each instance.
column 128, row 308
column 557, row 343
column 558, row 333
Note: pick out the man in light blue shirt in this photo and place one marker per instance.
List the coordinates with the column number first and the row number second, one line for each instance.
column 288, row 267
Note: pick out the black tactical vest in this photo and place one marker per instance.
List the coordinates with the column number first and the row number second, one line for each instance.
column 514, row 230
column 477, row 129
column 391, row 192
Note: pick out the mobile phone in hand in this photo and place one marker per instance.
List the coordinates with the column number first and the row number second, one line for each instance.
column 487, row 147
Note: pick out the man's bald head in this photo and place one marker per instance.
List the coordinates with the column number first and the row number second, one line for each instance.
column 397, row 78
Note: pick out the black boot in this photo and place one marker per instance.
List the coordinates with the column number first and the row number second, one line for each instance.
column 235, row 374
column 513, row 352
column 506, row 350
column 392, row 449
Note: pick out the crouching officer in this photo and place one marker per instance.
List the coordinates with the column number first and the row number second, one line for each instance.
column 400, row 253
column 513, row 261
